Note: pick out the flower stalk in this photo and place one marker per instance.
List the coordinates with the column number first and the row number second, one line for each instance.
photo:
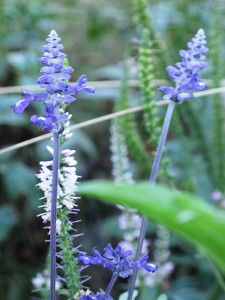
column 58, row 94
column 186, row 76
column 111, row 284
column 55, row 169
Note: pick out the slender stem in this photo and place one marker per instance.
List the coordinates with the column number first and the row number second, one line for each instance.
column 111, row 284
column 152, row 181
column 55, row 168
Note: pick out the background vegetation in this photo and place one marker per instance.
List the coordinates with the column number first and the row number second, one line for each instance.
column 96, row 35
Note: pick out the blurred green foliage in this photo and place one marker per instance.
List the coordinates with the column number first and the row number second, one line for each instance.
column 95, row 35
column 185, row 215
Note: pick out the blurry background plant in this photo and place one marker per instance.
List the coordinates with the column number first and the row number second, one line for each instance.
column 95, row 35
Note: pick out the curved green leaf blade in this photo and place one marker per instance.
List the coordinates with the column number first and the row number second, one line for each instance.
column 185, row 215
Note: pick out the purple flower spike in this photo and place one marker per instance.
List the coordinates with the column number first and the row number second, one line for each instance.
column 186, row 74
column 117, row 260
column 113, row 259
column 58, row 91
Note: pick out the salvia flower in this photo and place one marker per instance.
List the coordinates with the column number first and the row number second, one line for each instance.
column 186, row 74
column 67, row 182
column 58, row 91
column 117, row 260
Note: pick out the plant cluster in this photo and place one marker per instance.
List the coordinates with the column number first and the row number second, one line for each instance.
column 140, row 268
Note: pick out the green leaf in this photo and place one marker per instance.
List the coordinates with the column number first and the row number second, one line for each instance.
column 185, row 288
column 19, row 180
column 8, row 220
column 183, row 214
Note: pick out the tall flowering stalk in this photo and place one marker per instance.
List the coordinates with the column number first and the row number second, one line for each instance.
column 146, row 77
column 58, row 93
column 66, row 205
column 186, row 76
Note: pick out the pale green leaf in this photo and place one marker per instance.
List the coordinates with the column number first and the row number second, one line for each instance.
column 183, row 214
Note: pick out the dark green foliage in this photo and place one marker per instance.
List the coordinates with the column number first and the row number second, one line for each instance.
column 144, row 21
column 131, row 134
column 18, row 182
column 196, row 128
column 142, row 17
column 146, row 75
column 215, row 45
column 8, row 219
column 157, row 45
column 95, row 33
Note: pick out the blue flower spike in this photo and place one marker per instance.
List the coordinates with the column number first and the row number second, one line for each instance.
column 117, row 260
column 186, row 74
column 58, row 91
